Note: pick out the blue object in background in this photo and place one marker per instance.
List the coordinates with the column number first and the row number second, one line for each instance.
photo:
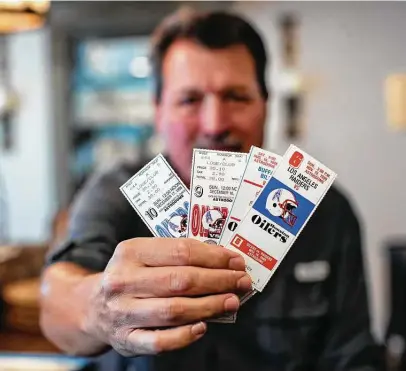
column 112, row 81
column 112, row 100
column 37, row 362
column 125, row 133
column 112, row 62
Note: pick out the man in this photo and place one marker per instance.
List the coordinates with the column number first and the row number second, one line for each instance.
column 112, row 285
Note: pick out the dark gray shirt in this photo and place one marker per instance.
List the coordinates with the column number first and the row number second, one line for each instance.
column 301, row 321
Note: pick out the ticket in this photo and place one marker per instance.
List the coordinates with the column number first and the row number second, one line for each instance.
column 160, row 198
column 214, row 182
column 279, row 213
column 260, row 166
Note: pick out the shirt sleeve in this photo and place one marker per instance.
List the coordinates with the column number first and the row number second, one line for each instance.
column 100, row 218
column 349, row 344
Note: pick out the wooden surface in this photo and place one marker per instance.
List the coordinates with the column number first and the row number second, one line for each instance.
column 21, row 342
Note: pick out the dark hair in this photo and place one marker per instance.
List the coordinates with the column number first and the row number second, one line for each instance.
column 214, row 30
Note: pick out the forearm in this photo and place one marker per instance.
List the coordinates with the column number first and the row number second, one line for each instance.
column 65, row 292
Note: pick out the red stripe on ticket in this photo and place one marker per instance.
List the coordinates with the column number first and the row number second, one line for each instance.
column 254, row 252
column 254, row 184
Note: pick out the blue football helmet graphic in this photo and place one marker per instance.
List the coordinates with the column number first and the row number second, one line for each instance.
column 282, row 203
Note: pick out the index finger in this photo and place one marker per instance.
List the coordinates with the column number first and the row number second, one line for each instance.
column 158, row 252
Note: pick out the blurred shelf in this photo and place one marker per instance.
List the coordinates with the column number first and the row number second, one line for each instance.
column 13, row 341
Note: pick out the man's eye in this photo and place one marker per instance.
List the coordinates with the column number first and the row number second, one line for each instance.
column 234, row 97
column 186, row 101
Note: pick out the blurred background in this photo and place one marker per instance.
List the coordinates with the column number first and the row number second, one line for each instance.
column 75, row 97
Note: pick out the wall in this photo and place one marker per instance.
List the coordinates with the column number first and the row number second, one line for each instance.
column 347, row 49
column 27, row 168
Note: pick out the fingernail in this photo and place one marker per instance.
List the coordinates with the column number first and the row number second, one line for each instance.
column 231, row 304
column 199, row 329
column 245, row 283
column 237, row 263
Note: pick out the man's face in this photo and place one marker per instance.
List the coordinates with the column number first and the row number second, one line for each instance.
column 210, row 99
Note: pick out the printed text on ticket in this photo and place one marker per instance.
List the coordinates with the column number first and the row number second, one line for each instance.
column 260, row 167
column 214, row 183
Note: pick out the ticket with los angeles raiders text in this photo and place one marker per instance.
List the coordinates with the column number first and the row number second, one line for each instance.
column 214, row 182
column 279, row 213
column 160, row 198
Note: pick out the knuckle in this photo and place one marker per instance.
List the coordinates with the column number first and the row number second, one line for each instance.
column 119, row 339
column 179, row 282
column 172, row 311
column 119, row 319
column 182, row 252
column 114, row 311
column 121, row 248
column 112, row 284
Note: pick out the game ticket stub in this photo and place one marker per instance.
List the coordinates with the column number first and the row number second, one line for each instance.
column 214, row 183
column 160, row 198
column 260, row 167
column 279, row 213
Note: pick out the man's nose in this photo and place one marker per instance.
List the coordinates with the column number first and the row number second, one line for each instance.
column 214, row 116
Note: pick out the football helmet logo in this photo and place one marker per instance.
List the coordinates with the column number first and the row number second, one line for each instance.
column 282, row 203
column 177, row 226
column 213, row 221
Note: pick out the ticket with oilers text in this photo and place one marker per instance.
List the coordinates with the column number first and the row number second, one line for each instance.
column 160, row 198
column 214, row 182
column 260, row 166
column 279, row 213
